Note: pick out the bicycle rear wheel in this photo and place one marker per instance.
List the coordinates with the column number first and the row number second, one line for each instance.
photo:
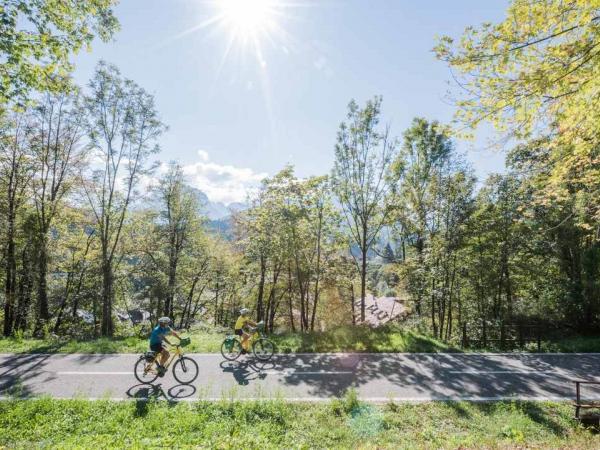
column 185, row 370
column 231, row 350
column 263, row 349
column 144, row 371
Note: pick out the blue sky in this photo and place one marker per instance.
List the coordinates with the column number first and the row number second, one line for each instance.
column 234, row 119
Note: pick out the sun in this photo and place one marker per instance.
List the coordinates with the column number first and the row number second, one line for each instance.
column 248, row 18
column 246, row 27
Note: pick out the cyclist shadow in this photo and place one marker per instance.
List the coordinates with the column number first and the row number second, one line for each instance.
column 146, row 393
column 245, row 371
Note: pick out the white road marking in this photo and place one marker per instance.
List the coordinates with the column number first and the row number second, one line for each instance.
column 302, row 372
column 517, row 372
column 93, row 373
column 269, row 372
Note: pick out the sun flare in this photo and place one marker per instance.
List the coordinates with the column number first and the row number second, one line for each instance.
column 248, row 17
column 246, row 27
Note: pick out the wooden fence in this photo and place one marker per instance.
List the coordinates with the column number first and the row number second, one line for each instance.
column 503, row 336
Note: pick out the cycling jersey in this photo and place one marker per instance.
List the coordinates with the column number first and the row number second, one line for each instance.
column 241, row 322
column 158, row 334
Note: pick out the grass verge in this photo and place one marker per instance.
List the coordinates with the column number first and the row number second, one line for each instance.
column 343, row 423
column 341, row 339
column 390, row 338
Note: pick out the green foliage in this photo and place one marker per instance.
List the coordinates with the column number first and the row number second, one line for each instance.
column 291, row 242
column 276, row 424
column 535, row 75
column 364, row 152
column 38, row 38
column 408, row 220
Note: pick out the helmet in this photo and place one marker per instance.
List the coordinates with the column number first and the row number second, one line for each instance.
column 164, row 320
column 244, row 311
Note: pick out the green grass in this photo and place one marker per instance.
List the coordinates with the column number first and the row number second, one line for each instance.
column 341, row 339
column 390, row 338
column 586, row 344
column 277, row 424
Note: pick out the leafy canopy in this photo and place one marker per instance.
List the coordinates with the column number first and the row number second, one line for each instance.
column 537, row 75
column 37, row 38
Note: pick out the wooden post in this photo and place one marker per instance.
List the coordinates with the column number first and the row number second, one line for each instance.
column 464, row 343
column 502, row 335
column 521, row 343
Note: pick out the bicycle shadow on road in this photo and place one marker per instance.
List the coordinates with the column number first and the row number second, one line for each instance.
column 247, row 370
column 146, row 393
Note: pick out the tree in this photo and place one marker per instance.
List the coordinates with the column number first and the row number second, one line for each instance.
column 15, row 176
column 425, row 154
column 178, row 215
column 123, row 125
column 535, row 75
column 559, row 239
column 37, row 39
column 56, row 158
column 289, row 238
column 363, row 154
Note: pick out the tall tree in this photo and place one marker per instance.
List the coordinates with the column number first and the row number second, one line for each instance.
column 179, row 214
column 123, row 126
column 363, row 154
column 425, row 153
column 15, row 176
column 56, row 156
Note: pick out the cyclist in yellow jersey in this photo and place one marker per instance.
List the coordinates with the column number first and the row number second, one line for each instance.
column 240, row 327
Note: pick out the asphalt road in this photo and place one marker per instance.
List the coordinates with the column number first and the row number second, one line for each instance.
column 377, row 377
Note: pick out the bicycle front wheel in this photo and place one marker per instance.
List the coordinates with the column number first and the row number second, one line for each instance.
column 231, row 350
column 144, row 371
column 263, row 349
column 185, row 370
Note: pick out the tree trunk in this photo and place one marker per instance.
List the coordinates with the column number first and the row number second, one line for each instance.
column 10, row 281
column 261, row 290
column 24, row 291
column 107, row 327
column 290, row 290
column 217, row 287
column 433, row 322
column 168, row 306
column 363, row 284
column 352, row 303
column 43, row 315
column 318, row 272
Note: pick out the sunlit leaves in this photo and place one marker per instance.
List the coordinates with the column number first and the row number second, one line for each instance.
column 38, row 37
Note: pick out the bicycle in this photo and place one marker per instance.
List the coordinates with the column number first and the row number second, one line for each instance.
column 262, row 347
column 185, row 370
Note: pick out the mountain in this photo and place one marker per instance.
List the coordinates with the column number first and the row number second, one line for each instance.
column 216, row 211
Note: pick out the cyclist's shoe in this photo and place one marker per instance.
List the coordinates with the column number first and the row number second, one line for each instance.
column 244, row 351
column 161, row 371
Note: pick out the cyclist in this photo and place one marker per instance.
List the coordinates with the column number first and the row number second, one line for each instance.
column 241, row 324
column 158, row 335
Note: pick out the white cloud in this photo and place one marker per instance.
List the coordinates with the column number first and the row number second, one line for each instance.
column 203, row 154
column 222, row 183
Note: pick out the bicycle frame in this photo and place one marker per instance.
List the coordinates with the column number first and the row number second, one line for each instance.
column 175, row 353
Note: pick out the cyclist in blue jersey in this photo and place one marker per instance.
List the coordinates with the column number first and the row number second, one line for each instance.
column 157, row 337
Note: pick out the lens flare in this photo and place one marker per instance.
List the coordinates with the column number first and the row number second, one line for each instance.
column 248, row 18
